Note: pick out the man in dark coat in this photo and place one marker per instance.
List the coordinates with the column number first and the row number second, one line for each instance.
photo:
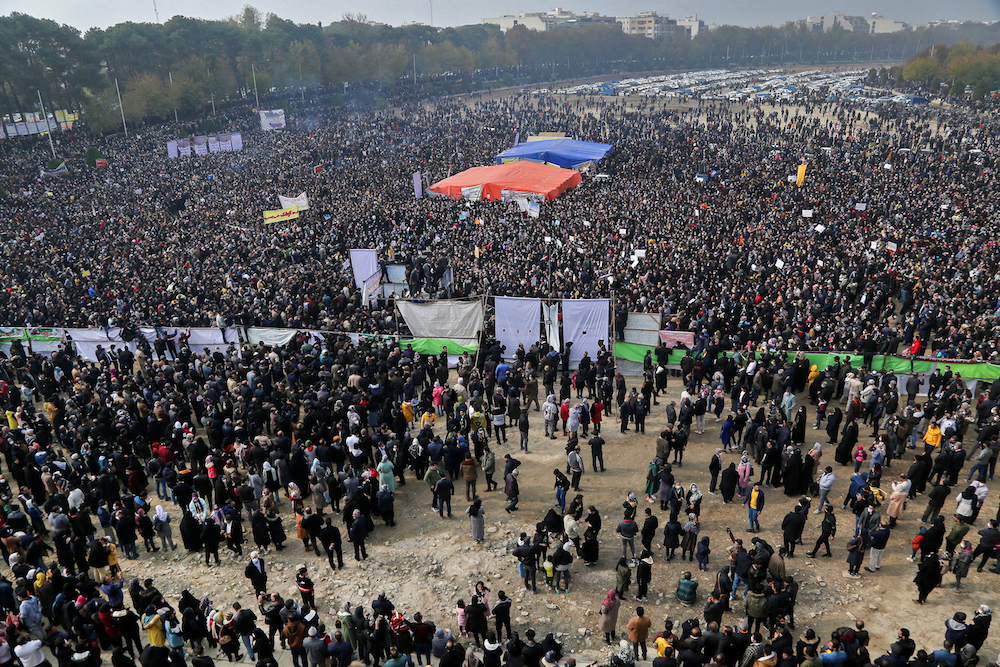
column 211, row 535
column 791, row 527
column 256, row 573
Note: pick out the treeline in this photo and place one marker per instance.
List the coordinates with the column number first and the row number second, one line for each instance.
column 956, row 69
column 185, row 64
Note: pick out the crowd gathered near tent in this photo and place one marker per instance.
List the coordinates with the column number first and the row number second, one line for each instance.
column 881, row 247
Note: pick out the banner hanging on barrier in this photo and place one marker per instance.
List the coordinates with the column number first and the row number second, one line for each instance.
column 517, row 323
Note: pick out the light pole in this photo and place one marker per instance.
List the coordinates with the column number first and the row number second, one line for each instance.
column 121, row 107
column 48, row 130
column 253, row 69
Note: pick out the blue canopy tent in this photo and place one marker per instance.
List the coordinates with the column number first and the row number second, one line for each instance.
column 567, row 153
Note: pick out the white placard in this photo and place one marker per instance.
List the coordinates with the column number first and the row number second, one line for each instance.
column 640, row 253
column 874, row 245
column 807, row 213
column 860, row 206
column 780, row 264
column 622, row 230
column 586, row 223
column 819, row 263
column 891, row 245
column 820, row 229
column 548, row 239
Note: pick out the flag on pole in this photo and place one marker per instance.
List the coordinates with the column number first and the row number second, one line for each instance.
column 801, row 178
column 369, row 289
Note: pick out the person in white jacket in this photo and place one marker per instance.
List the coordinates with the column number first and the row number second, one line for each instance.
column 551, row 413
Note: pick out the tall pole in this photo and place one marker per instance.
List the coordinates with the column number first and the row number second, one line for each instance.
column 432, row 12
column 213, row 103
column 156, row 11
column 171, row 77
column 254, row 71
column 120, row 106
column 48, row 130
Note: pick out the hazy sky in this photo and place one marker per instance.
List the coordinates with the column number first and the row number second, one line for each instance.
column 85, row 14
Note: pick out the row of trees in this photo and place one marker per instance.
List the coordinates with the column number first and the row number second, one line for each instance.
column 184, row 63
column 956, row 68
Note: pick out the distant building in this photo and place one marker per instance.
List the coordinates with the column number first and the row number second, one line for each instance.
column 551, row 20
column 828, row 21
column 879, row 25
column 651, row 25
column 875, row 25
column 692, row 25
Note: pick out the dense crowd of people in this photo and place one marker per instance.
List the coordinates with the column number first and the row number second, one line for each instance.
column 309, row 441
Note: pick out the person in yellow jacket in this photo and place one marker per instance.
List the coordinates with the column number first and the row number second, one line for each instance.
column 932, row 438
column 408, row 412
column 428, row 420
column 154, row 627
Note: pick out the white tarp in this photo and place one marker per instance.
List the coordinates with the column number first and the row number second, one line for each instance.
column 364, row 263
column 550, row 315
column 87, row 340
column 643, row 329
column 585, row 322
column 269, row 337
column 301, row 202
column 460, row 321
column 517, row 323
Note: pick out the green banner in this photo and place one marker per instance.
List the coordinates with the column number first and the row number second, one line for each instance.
column 435, row 345
column 636, row 353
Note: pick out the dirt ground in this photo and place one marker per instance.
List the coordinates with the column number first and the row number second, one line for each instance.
column 426, row 563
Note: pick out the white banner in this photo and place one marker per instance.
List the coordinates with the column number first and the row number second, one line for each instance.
column 473, row 193
column 550, row 315
column 301, row 201
column 517, row 323
column 273, row 119
column 172, row 149
column 585, row 322
column 236, row 139
column 460, row 321
column 363, row 263
column 370, row 288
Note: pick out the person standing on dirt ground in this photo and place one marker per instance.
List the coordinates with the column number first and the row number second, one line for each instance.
column 489, row 468
column 306, row 587
column 754, row 502
column 512, row 490
column 638, row 631
column 522, row 429
column 470, row 474
column 575, row 462
column 627, row 529
column 715, row 467
column 596, row 452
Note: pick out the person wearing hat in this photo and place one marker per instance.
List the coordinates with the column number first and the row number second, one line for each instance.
column 305, row 584
column 315, row 648
column 256, row 572
column 550, row 659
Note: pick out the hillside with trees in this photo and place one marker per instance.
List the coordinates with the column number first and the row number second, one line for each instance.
column 187, row 64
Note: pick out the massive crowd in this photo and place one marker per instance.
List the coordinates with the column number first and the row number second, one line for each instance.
column 252, row 444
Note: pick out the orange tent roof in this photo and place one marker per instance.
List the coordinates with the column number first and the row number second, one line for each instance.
column 521, row 176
